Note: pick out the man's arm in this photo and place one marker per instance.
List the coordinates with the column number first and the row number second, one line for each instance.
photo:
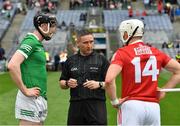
column 111, row 90
column 174, row 67
column 15, row 72
column 92, row 84
column 112, row 72
column 110, row 85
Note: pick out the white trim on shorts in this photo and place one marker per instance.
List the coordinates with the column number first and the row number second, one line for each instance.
column 30, row 108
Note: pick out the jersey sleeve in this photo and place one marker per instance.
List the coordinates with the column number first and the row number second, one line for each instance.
column 117, row 59
column 165, row 59
column 65, row 73
column 105, row 67
column 26, row 47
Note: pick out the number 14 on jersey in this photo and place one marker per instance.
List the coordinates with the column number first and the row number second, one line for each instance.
column 150, row 68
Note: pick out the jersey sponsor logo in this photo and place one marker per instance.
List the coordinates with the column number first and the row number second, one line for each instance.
column 142, row 50
column 74, row 69
column 94, row 68
column 26, row 47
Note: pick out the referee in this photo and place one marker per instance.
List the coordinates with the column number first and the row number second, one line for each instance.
column 84, row 73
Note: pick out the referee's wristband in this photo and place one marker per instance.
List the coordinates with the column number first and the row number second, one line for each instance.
column 115, row 102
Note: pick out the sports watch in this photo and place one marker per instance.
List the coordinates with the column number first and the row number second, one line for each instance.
column 100, row 85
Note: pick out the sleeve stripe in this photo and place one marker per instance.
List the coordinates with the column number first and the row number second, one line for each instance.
column 26, row 47
column 24, row 54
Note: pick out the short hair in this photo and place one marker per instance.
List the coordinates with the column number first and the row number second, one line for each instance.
column 83, row 32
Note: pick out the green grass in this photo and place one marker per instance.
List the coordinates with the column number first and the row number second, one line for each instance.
column 58, row 102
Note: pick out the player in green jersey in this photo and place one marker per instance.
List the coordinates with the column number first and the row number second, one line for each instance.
column 28, row 69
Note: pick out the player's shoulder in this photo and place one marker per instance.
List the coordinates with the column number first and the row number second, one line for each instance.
column 124, row 49
column 30, row 39
column 73, row 57
column 98, row 55
column 156, row 50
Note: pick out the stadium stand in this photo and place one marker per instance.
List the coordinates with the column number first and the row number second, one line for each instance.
column 70, row 16
column 28, row 21
column 112, row 19
column 6, row 18
column 154, row 33
column 158, row 27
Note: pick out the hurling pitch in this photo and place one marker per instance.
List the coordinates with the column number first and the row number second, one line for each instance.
column 58, row 102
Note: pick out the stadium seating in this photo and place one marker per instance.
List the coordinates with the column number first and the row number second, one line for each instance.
column 112, row 19
column 70, row 17
column 28, row 21
column 156, row 37
column 157, row 27
column 5, row 21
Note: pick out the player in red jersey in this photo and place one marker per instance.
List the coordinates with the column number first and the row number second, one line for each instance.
column 140, row 66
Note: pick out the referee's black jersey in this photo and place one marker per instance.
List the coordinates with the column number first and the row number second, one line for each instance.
column 82, row 68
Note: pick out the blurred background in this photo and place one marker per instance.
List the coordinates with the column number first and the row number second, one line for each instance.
column 101, row 17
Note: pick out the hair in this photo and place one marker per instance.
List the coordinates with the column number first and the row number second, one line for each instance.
column 83, row 32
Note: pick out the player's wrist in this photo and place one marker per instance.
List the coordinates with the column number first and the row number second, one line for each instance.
column 115, row 101
column 101, row 85
column 24, row 89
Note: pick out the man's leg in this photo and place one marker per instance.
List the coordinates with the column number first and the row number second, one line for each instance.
column 25, row 123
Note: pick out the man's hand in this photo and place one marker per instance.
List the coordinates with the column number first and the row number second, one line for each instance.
column 72, row 83
column 91, row 84
column 32, row 92
column 117, row 102
column 160, row 94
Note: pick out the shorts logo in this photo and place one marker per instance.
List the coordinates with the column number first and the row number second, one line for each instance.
column 41, row 113
column 27, row 113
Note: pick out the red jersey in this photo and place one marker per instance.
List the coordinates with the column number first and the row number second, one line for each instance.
column 141, row 66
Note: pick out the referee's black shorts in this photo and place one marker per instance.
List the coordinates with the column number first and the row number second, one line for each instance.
column 87, row 112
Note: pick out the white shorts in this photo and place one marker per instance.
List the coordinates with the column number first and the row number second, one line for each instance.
column 135, row 112
column 30, row 108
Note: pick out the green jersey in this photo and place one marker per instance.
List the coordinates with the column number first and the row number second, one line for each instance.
column 33, row 68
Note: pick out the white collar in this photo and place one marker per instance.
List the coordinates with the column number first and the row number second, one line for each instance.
column 136, row 41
